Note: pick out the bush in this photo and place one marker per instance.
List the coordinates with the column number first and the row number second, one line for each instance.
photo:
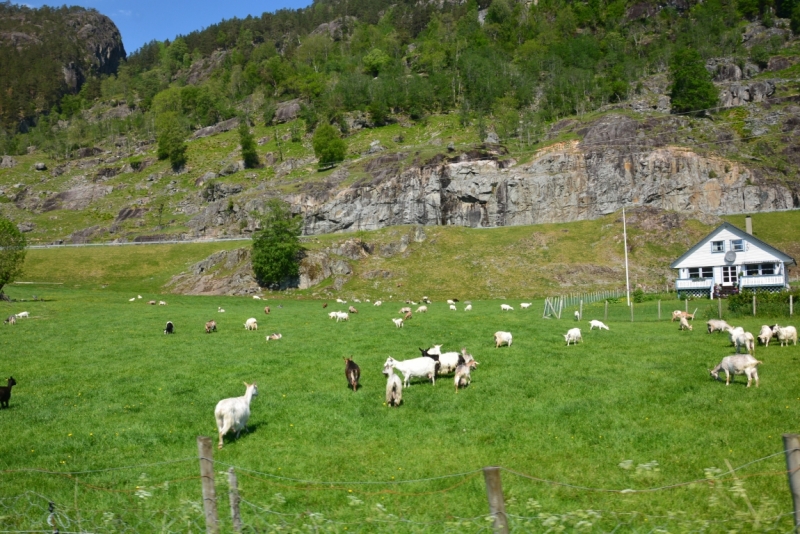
column 276, row 247
column 248, row 144
column 328, row 147
column 767, row 304
column 691, row 89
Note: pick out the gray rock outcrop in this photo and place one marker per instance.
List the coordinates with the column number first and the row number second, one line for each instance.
column 7, row 162
column 76, row 198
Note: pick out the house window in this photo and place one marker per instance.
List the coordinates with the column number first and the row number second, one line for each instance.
column 701, row 272
column 737, row 245
column 767, row 268
column 755, row 269
column 718, row 246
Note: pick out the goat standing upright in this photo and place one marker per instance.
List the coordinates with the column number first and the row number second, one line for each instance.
column 5, row 392
column 352, row 372
column 233, row 413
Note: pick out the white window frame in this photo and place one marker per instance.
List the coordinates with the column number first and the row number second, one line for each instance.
column 737, row 245
column 721, row 247
column 701, row 272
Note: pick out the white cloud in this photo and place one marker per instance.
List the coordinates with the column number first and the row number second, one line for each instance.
column 126, row 12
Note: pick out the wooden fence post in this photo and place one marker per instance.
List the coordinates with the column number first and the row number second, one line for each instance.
column 754, row 305
column 233, row 494
column 791, row 305
column 580, row 311
column 631, row 311
column 719, row 307
column 207, row 477
column 605, row 316
column 497, row 506
column 791, row 446
column 659, row 309
column 686, row 303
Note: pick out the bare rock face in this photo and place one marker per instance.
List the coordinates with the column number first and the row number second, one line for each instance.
column 220, row 127
column 737, row 94
column 200, row 280
column 563, row 182
column 76, row 198
column 7, row 162
column 287, row 111
column 202, row 69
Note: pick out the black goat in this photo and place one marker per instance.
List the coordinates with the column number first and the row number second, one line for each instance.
column 170, row 329
column 5, row 392
column 352, row 372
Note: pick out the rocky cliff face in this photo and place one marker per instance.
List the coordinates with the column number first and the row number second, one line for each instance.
column 571, row 181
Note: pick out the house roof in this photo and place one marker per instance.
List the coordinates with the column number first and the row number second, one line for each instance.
column 785, row 258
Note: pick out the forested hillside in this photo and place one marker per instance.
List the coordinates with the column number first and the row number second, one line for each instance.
column 377, row 100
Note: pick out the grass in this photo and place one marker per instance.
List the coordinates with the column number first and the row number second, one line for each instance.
column 100, row 386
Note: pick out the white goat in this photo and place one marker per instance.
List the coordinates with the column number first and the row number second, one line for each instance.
column 577, row 315
column 220, row 310
column 506, row 307
column 745, row 340
column 737, row 364
column 131, row 299
column 451, row 301
column 525, row 305
column 452, row 307
column 274, row 337
column 717, row 325
column 342, row 316
column 422, row 367
column 468, row 307
column 733, row 332
column 340, row 301
column 398, row 322
column 784, row 334
column 502, row 338
column 23, row 315
column 594, row 323
column 684, row 324
column 233, row 413
column 162, row 303
column 573, row 335
column 394, row 387
column 765, row 335
column 404, row 310
column 333, row 315
column 377, row 303
column 256, row 297
column 251, row 324
column 448, row 361
column 422, row 309
column 463, row 378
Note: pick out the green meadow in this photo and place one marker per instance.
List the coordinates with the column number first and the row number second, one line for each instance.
column 104, row 419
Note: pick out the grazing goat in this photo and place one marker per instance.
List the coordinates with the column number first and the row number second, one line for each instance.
column 404, row 310
column 733, row 332
column 422, row 309
column 377, row 303
column 233, row 413
column 333, row 314
column 162, row 303
column 468, row 307
column 340, row 301
column 394, row 387
column 138, row 296
column 170, row 328
column 324, row 305
column 506, row 307
column 785, row 334
column 525, row 305
column 450, row 301
column 11, row 319
column 352, row 372
column 415, row 367
column 463, row 378
column 407, row 316
column 502, row 338
column 256, row 297
column 737, row 364
column 717, row 325
column 684, row 324
column 5, row 392
column 211, row 326
column 251, row 324
column 448, row 361
column 577, row 315
column 220, row 310
column 746, row 340
column 600, row 325
column 452, row 307
column 23, row 315
column 132, row 299
column 358, row 301
column 352, row 309
column 573, row 336
column 274, row 337
column 426, row 300
column 765, row 335
column 151, row 302
column 342, row 316
column 677, row 314
column 398, row 322
column 266, row 310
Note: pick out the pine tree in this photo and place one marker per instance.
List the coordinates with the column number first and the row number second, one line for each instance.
column 249, row 154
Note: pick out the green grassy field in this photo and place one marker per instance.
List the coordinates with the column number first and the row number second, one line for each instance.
column 100, row 387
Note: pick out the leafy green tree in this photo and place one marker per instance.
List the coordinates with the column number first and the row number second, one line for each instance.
column 375, row 61
column 276, row 247
column 248, row 145
column 691, row 88
column 12, row 253
column 171, row 140
column 329, row 148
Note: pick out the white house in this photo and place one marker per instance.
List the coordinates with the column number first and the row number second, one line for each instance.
column 733, row 260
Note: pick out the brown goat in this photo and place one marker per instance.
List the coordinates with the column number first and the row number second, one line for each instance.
column 5, row 392
column 266, row 310
column 352, row 372
column 325, row 305
column 352, row 309
column 211, row 326
column 407, row 316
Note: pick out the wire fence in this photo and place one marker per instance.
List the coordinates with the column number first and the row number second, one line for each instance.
column 125, row 499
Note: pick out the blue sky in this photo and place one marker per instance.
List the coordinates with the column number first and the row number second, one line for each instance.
column 141, row 21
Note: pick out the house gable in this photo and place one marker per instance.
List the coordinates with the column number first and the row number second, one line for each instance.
column 755, row 250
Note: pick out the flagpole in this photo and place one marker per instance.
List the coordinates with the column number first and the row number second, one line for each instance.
column 625, row 240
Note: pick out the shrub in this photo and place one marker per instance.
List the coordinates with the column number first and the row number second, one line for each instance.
column 328, row 147
column 767, row 304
